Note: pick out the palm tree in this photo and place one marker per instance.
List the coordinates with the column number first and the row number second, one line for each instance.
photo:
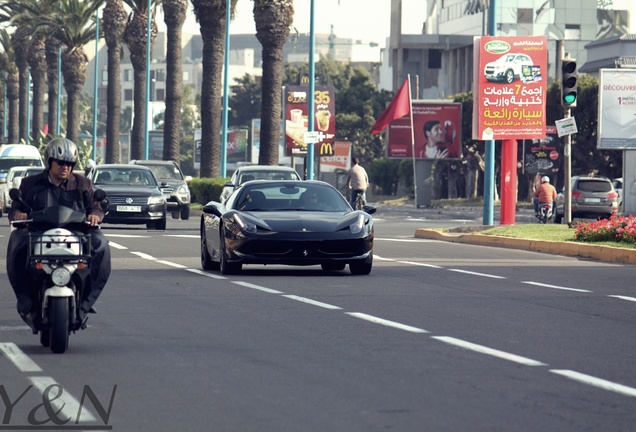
column 136, row 37
column 74, row 27
column 52, row 76
column 11, row 81
column 114, row 19
column 20, row 42
column 211, row 16
column 174, row 16
column 273, row 20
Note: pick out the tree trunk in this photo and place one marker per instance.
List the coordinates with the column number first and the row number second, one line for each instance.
column 138, row 132
column 37, row 61
column 271, row 105
column 74, row 72
column 52, row 59
column 13, row 96
column 175, row 14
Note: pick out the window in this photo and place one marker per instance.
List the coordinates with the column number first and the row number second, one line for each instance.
column 128, row 94
column 524, row 16
column 128, row 75
column 160, row 75
column 160, row 94
column 186, row 75
column 434, row 59
column 572, row 32
column 104, row 76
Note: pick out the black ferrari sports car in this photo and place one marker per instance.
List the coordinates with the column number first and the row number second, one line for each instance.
column 286, row 222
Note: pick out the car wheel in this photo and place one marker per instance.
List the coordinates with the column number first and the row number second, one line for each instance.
column 206, row 259
column 510, row 76
column 160, row 224
column 175, row 215
column 226, row 267
column 361, row 267
column 185, row 213
column 333, row 266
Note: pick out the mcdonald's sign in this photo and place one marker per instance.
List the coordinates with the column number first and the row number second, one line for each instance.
column 326, row 149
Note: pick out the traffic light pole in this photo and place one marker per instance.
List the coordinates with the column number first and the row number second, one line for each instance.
column 567, row 152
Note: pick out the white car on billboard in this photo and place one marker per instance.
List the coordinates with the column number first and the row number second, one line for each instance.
column 508, row 67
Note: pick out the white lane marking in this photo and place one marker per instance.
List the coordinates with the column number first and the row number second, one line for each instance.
column 128, row 236
column 596, row 382
column 311, row 302
column 257, row 287
column 144, row 256
column 61, row 399
column 19, row 358
column 116, row 245
column 409, row 240
column 382, row 259
column 632, row 299
column 421, row 264
column 490, row 351
column 193, row 236
column 202, row 273
column 387, row 323
column 171, row 264
column 554, row 286
column 11, row 328
column 477, row 274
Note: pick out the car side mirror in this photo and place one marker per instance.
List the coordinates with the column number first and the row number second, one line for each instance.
column 187, row 179
column 229, row 184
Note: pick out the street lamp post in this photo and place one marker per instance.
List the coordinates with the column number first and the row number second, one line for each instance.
column 148, row 39
column 310, row 93
column 226, row 88
column 96, row 86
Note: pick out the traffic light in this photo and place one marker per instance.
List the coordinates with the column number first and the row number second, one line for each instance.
column 568, row 83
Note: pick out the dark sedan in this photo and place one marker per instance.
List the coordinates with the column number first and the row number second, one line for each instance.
column 132, row 195
column 286, row 222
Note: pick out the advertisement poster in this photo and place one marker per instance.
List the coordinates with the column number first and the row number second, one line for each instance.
column 236, row 149
column 295, row 111
column 543, row 156
column 256, row 144
column 340, row 160
column 617, row 109
column 510, row 87
column 437, row 132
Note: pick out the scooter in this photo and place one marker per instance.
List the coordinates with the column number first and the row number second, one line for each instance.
column 58, row 260
column 545, row 212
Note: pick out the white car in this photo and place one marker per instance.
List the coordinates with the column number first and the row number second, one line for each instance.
column 507, row 67
column 618, row 186
column 13, row 172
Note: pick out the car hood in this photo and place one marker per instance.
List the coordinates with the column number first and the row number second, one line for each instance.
column 304, row 221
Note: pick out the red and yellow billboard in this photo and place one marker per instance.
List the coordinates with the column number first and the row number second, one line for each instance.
column 510, row 87
column 295, row 110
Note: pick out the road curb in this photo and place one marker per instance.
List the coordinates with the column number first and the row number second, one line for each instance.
column 600, row 253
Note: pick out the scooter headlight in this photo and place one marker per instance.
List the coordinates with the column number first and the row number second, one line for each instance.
column 61, row 276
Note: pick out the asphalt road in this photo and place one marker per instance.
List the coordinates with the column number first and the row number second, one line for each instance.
column 440, row 337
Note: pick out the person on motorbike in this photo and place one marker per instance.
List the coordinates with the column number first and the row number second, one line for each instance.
column 56, row 185
column 545, row 193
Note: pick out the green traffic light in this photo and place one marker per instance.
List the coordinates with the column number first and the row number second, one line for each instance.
column 569, row 98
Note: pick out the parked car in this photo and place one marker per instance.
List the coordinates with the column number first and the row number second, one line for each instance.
column 173, row 184
column 132, row 195
column 289, row 222
column 257, row 172
column 507, row 67
column 6, row 185
column 592, row 197
column 29, row 171
column 618, row 187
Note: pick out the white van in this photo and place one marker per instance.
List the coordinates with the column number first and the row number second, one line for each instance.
column 18, row 155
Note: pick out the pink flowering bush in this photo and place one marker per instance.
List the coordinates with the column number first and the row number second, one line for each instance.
column 614, row 229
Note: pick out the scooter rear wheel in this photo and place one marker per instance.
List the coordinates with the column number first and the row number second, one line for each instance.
column 59, row 323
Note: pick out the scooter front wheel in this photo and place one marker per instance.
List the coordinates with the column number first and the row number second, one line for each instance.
column 58, row 314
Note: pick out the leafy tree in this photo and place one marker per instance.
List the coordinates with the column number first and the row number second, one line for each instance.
column 245, row 101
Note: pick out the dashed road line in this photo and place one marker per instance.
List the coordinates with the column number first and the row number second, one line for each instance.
column 620, row 297
column 206, row 274
column 171, row 264
column 19, row 358
column 311, row 302
column 62, row 400
column 489, row 351
column 421, row 264
column 477, row 273
column 385, row 322
column 257, row 287
column 596, row 382
column 554, row 286
column 117, row 245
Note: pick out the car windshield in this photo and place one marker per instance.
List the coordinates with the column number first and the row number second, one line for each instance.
column 267, row 175
column 166, row 172
column 594, row 186
column 124, row 176
column 290, row 196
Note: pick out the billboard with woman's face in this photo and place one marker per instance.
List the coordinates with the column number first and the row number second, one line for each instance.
column 437, row 129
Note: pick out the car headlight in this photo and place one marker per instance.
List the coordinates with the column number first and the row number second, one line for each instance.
column 246, row 226
column 156, row 200
column 183, row 193
column 357, row 226
column 61, row 276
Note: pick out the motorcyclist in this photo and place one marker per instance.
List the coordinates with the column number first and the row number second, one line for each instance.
column 545, row 193
column 56, row 185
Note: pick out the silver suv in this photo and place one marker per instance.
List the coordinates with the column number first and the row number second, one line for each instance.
column 173, row 185
column 592, row 197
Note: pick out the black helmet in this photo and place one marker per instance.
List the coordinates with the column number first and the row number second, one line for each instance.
column 62, row 149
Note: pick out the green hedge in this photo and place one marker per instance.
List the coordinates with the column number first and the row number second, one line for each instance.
column 204, row 190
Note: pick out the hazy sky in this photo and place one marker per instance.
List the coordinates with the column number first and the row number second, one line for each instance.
column 367, row 20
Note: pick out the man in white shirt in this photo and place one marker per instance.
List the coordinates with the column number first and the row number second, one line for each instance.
column 357, row 181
